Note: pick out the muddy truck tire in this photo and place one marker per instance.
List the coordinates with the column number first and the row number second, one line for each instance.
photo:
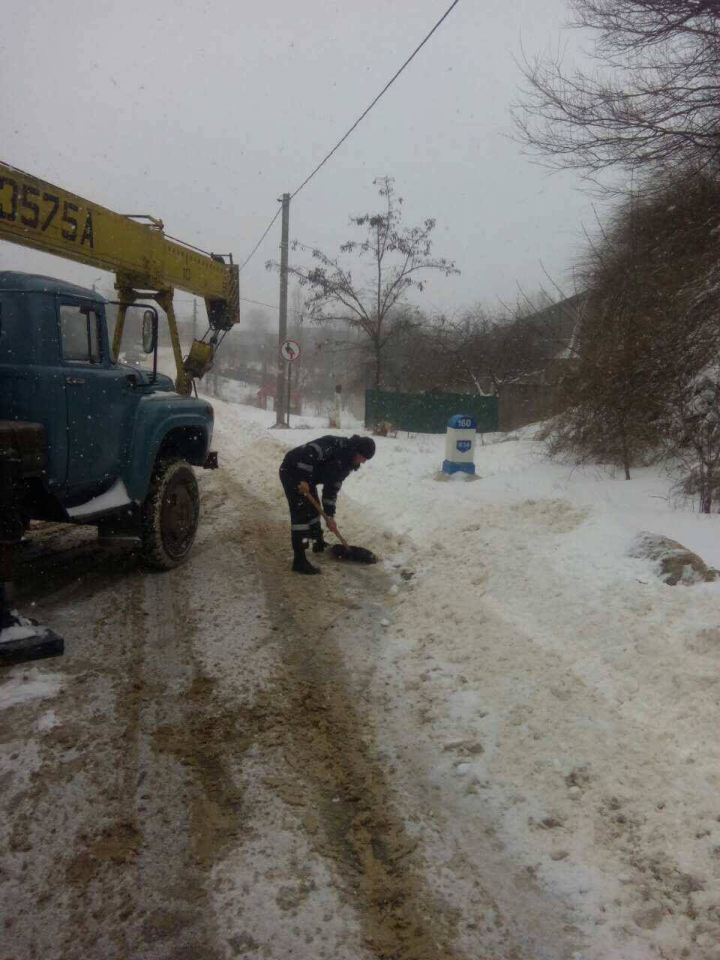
column 170, row 514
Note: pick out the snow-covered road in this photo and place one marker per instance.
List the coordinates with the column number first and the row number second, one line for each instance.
column 499, row 743
column 199, row 776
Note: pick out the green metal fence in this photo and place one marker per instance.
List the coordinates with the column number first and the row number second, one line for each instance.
column 428, row 412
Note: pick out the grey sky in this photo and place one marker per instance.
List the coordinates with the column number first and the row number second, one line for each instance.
column 204, row 113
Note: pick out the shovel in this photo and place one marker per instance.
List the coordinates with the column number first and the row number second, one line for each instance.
column 342, row 550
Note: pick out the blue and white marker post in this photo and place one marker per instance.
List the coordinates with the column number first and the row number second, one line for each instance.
column 460, row 446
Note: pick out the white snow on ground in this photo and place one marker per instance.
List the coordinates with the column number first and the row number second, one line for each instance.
column 21, row 684
column 553, row 693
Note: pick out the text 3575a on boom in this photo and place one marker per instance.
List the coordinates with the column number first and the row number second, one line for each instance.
column 25, row 204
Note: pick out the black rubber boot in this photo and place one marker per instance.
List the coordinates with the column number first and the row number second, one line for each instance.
column 319, row 545
column 301, row 564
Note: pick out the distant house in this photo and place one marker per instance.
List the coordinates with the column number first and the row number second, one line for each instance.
column 557, row 328
column 554, row 335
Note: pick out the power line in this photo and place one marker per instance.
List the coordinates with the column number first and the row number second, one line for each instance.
column 386, row 87
column 357, row 122
column 261, row 303
column 261, row 239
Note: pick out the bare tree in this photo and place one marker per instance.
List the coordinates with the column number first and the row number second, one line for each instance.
column 653, row 99
column 477, row 352
column 396, row 257
column 649, row 327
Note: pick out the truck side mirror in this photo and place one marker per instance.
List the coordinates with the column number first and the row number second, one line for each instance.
column 149, row 330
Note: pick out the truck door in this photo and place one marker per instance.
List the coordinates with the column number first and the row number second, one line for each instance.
column 97, row 396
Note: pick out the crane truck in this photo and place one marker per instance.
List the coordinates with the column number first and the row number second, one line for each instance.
column 85, row 438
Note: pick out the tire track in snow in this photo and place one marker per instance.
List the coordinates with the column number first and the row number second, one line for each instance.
column 131, row 770
column 329, row 747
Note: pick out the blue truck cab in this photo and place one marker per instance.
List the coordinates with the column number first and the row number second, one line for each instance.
column 85, row 438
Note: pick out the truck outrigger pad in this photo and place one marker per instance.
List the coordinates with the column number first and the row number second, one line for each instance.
column 22, row 640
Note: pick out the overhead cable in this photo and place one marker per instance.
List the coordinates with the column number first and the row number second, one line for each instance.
column 247, row 259
column 261, row 303
column 357, row 122
column 386, row 87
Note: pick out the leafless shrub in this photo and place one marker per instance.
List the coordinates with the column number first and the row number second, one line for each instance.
column 694, row 438
column 649, row 329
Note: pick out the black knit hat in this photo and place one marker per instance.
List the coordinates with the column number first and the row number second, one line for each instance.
column 365, row 446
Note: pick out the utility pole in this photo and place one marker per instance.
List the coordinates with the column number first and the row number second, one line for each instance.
column 280, row 402
column 194, row 318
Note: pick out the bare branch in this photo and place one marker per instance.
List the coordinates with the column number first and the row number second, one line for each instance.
column 653, row 98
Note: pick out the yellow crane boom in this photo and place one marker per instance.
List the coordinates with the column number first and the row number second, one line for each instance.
column 46, row 217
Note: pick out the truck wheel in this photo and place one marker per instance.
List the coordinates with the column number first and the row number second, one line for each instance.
column 170, row 514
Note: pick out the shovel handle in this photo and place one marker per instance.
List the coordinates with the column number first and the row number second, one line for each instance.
column 313, row 501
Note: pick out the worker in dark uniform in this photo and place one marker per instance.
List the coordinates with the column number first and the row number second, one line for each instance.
column 326, row 461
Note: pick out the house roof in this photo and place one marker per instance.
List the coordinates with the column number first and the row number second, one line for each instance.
column 556, row 326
